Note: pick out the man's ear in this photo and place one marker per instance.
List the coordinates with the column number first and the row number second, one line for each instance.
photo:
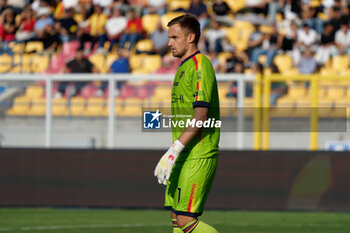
column 191, row 37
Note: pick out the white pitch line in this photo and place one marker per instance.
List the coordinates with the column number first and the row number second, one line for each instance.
column 94, row 226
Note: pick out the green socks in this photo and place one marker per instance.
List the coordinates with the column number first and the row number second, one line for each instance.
column 197, row 226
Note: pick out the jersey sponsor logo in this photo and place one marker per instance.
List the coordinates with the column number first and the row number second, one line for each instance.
column 175, row 98
column 176, row 84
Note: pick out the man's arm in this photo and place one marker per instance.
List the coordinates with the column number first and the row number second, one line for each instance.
column 200, row 114
column 166, row 163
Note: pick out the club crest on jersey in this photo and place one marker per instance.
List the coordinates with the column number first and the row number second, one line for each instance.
column 181, row 74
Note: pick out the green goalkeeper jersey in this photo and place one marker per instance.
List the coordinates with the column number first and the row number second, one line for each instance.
column 195, row 86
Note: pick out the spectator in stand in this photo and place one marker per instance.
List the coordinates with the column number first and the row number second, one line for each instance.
column 309, row 16
column 273, row 7
column 199, row 9
column 270, row 47
column 278, row 89
column 215, row 38
column 221, row 11
column 290, row 37
column 42, row 22
column 342, row 38
column 3, row 6
column 133, row 31
column 17, row 5
column 122, row 5
column 119, row 66
column 290, row 9
column 115, row 26
column 231, row 61
column 7, row 30
column 334, row 17
column 67, row 26
column 307, row 64
column 78, row 65
column 238, row 68
column 39, row 5
column 50, row 39
column 158, row 7
column 93, row 30
column 327, row 47
column 254, row 6
column 103, row 3
column 306, row 37
column 26, row 22
column 160, row 40
column 255, row 40
column 212, row 55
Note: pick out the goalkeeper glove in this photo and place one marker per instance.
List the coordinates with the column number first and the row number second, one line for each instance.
column 166, row 163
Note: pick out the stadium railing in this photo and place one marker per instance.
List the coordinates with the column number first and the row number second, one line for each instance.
column 112, row 80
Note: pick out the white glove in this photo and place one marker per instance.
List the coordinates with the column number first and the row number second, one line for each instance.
column 166, row 163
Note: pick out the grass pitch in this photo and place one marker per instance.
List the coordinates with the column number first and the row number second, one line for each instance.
column 41, row 220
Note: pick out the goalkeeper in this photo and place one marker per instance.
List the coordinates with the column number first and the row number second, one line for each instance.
column 189, row 166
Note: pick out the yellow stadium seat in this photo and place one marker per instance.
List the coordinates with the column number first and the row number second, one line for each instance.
column 336, row 92
column 136, row 61
column 38, row 107
column 164, row 19
column 222, row 57
column 285, row 102
column 232, row 34
column 297, row 91
column 175, row 4
column 149, row 22
column 340, row 62
column 235, row 5
column 5, row 63
column 20, row 106
column 94, row 107
column 152, row 63
column 34, row 46
column 145, row 45
column 284, row 62
column 16, row 47
column 35, row 91
column 162, row 91
column 40, row 63
column 23, row 63
column 132, row 107
column 98, row 60
column 118, row 107
column 59, row 107
column 77, row 106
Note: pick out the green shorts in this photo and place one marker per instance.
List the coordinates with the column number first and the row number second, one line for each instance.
column 189, row 185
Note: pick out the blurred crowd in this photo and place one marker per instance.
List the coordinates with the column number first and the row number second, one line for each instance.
column 309, row 31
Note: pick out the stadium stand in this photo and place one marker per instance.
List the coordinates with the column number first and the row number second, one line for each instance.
column 32, row 57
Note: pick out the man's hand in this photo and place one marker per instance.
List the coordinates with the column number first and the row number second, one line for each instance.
column 166, row 163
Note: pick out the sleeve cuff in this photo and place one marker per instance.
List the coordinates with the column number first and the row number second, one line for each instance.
column 200, row 104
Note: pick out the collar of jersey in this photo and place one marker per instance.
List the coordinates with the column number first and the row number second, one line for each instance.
column 189, row 57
